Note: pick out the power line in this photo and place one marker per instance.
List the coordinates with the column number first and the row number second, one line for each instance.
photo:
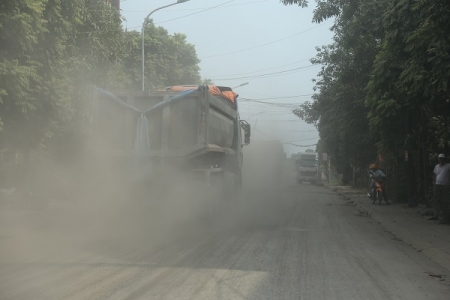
column 281, row 141
column 185, row 16
column 302, row 131
column 270, row 109
column 268, row 75
column 231, row 5
column 262, row 45
column 283, row 105
column 304, row 140
column 246, row 104
column 202, row 10
column 269, row 105
column 279, row 114
column 293, row 63
column 281, row 97
column 280, row 120
column 302, row 146
column 267, row 114
column 254, row 128
column 199, row 8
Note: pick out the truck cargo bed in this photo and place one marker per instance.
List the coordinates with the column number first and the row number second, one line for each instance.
column 178, row 127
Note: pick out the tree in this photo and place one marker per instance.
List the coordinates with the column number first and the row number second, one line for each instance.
column 412, row 69
column 52, row 54
column 29, row 86
column 338, row 109
column 387, row 72
column 93, row 57
column 207, row 81
column 169, row 59
column 302, row 3
column 409, row 87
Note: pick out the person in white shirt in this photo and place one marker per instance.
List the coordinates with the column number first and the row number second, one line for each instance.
column 441, row 190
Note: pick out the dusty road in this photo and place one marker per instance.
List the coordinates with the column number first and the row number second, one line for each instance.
column 286, row 241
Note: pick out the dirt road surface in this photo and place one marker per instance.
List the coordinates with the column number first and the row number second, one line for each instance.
column 280, row 241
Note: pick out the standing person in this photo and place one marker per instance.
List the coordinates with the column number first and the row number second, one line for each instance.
column 375, row 173
column 441, row 190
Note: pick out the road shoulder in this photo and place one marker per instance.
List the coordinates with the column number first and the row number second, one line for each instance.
column 404, row 223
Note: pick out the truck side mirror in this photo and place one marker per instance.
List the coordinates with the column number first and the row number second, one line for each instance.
column 247, row 131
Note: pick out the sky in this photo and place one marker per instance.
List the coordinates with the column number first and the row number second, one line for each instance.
column 259, row 42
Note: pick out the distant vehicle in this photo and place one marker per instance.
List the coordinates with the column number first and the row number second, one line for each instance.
column 307, row 167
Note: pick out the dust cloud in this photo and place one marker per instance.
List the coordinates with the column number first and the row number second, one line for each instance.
column 93, row 207
column 94, row 215
column 267, row 177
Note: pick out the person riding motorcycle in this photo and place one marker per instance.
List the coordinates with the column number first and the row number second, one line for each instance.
column 374, row 174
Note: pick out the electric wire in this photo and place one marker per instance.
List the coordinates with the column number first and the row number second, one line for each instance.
column 198, row 8
column 265, row 44
column 281, row 141
column 185, row 16
column 269, row 75
column 262, row 70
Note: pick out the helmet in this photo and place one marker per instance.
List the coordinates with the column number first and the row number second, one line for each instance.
column 373, row 166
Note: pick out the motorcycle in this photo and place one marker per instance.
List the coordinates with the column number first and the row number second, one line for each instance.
column 378, row 191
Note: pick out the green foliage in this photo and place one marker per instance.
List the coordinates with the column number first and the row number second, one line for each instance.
column 22, row 26
column 301, row 3
column 207, row 81
column 412, row 68
column 169, row 59
column 384, row 82
column 338, row 108
column 52, row 54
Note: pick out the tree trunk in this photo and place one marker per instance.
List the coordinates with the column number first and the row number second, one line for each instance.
column 425, row 176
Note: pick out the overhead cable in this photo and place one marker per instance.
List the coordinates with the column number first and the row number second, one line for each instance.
column 262, row 45
column 281, row 141
column 267, row 75
column 185, row 16
column 198, row 8
column 280, row 97
column 302, row 146
column 289, row 64
column 283, row 105
column 314, row 138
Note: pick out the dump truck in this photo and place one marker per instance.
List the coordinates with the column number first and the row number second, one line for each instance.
column 307, row 167
column 191, row 130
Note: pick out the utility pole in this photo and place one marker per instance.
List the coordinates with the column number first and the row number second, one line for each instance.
column 143, row 37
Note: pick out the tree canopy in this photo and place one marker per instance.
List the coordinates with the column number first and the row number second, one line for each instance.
column 169, row 59
column 384, row 82
column 53, row 53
